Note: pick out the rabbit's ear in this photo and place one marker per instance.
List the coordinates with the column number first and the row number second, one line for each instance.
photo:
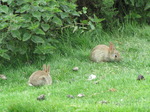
column 44, row 67
column 111, row 47
column 48, row 68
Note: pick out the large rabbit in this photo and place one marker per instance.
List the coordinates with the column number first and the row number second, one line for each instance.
column 41, row 77
column 103, row 53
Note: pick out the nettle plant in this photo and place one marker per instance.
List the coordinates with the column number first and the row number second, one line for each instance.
column 30, row 26
column 138, row 10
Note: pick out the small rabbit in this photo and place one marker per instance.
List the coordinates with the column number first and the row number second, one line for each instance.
column 41, row 77
column 103, row 53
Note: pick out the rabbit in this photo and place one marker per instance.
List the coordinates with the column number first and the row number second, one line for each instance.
column 103, row 53
column 41, row 77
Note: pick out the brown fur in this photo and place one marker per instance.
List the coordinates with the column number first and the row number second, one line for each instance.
column 41, row 77
column 103, row 53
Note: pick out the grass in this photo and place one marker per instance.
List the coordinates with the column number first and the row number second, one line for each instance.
column 131, row 95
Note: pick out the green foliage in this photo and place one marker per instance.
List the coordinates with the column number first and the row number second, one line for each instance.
column 101, row 8
column 138, row 10
column 28, row 24
column 115, row 11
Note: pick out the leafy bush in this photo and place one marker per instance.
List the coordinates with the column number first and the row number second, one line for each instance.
column 114, row 11
column 29, row 26
column 138, row 10
column 101, row 8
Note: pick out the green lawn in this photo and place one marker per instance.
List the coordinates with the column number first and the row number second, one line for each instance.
column 131, row 95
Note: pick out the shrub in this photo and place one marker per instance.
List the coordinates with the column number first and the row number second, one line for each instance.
column 101, row 8
column 29, row 26
column 116, row 11
column 138, row 10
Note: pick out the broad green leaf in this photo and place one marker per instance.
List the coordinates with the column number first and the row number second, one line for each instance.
column 5, row 0
column 20, row 2
column 3, row 25
column 42, row 57
column 75, row 13
column 22, row 49
column 6, row 56
column 52, row 40
column 45, row 27
column 16, row 34
column 26, row 17
column 8, row 1
column 14, row 26
column 65, row 8
column 37, row 39
column 84, row 21
column 39, row 31
column 84, row 10
column 133, row 15
column 26, row 36
column 56, row 10
column 44, row 49
column 37, row 15
column 4, row 8
column 3, row 36
column 139, row 3
column 148, row 15
column 132, row 2
column 42, row 2
column 126, row 1
column 147, row 6
column 47, row 9
column 57, row 21
column 47, row 16
column 2, row 51
column 24, row 8
column 63, row 15
column 25, row 25
column 91, row 25
column 96, row 19
column 34, row 26
column 11, row 47
column 75, row 29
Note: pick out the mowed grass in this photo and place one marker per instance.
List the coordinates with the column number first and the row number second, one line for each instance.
column 131, row 95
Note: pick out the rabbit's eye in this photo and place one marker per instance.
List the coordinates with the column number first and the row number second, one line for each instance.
column 115, row 56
